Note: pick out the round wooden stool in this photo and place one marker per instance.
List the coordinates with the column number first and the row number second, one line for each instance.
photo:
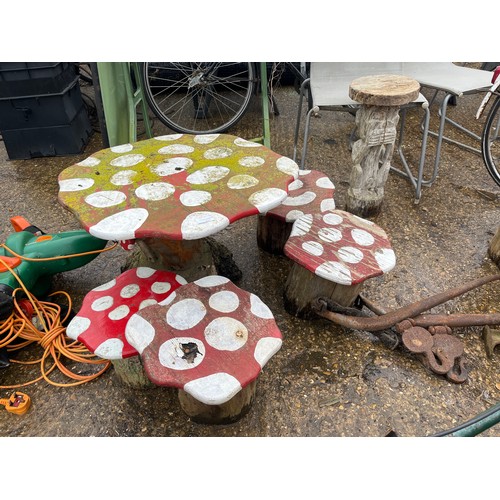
column 380, row 97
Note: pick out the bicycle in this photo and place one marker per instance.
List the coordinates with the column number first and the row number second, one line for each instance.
column 490, row 137
column 204, row 97
column 199, row 97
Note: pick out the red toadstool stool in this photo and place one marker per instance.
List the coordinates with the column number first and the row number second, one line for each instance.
column 211, row 341
column 333, row 254
column 100, row 322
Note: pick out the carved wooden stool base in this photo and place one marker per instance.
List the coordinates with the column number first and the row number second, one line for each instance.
column 130, row 372
column 376, row 122
column 225, row 413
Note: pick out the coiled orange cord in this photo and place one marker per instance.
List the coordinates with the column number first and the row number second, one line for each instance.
column 50, row 336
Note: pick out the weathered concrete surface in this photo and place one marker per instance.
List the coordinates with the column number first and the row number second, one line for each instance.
column 325, row 381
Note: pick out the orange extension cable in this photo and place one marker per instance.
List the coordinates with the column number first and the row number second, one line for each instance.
column 20, row 328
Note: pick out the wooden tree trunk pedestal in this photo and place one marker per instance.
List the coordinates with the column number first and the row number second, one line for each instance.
column 225, row 413
column 302, row 287
column 130, row 372
column 494, row 248
column 272, row 234
column 191, row 259
column 376, row 122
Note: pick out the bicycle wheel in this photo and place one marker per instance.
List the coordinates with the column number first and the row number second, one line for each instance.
column 490, row 142
column 198, row 97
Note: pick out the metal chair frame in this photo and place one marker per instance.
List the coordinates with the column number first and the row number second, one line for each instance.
column 349, row 105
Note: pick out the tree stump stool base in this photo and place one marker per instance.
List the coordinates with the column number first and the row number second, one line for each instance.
column 226, row 413
column 130, row 372
column 491, row 339
column 311, row 193
column 302, row 287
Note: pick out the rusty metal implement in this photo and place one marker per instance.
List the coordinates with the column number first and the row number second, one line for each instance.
column 414, row 311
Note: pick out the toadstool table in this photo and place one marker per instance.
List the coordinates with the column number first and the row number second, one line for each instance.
column 210, row 340
column 312, row 192
column 100, row 322
column 171, row 192
column 381, row 97
column 333, row 254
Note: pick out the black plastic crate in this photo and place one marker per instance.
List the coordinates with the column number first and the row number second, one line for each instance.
column 43, row 110
column 16, row 71
column 60, row 140
column 36, row 85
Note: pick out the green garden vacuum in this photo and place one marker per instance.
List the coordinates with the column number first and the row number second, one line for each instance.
column 34, row 256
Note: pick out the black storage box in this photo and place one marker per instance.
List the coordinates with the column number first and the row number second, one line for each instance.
column 59, row 140
column 42, row 112
column 41, row 109
column 24, row 79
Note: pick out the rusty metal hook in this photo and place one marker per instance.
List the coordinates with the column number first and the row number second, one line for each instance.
column 414, row 310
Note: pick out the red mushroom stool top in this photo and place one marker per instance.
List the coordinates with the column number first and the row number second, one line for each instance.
column 340, row 247
column 209, row 338
column 100, row 323
column 312, row 192
column 204, row 183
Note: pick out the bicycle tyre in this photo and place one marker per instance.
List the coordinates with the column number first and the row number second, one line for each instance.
column 198, row 97
column 490, row 142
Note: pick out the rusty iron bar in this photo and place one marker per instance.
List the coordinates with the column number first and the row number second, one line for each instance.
column 415, row 310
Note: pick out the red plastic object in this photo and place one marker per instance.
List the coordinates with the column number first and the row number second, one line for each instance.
column 496, row 72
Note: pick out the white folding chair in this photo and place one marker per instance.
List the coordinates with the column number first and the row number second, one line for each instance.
column 455, row 81
column 328, row 87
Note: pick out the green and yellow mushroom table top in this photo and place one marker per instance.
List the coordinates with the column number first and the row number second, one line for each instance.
column 178, row 186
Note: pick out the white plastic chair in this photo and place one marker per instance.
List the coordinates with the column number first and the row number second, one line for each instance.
column 328, row 87
column 455, row 81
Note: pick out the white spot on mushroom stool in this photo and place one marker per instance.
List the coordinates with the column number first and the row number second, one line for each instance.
column 333, row 254
column 311, row 193
column 210, row 342
column 100, row 323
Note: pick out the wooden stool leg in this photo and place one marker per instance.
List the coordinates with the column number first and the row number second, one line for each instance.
column 491, row 339
column 272, row 234
column 130, row 372
column 302, row 287
column 371, row 155
column 225, row 413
